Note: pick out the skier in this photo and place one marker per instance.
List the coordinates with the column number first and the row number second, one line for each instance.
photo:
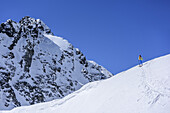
column 140, row 59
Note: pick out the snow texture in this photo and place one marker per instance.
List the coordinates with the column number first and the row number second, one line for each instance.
column 36, row 66
column 143, row 89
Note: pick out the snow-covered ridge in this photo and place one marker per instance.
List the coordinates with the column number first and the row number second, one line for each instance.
column 62, row 43
column 138, row 90
column 36, row 66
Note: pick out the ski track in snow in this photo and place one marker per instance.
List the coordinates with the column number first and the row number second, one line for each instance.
column 151, row 93
column 147, row 84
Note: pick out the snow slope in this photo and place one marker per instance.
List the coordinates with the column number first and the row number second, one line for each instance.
column 36, row 66
column 138, row 90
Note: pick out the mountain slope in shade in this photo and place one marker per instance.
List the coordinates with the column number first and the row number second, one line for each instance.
column 36, row 66
column 138, row 90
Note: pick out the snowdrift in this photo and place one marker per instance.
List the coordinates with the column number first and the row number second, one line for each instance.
column 138, row 90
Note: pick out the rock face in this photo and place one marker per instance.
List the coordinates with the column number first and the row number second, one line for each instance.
column 36, row 66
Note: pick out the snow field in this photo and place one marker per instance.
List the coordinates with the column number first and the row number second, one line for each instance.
column 138, row 90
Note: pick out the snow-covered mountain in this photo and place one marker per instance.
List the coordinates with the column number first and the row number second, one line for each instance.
column 138, row 90
column 36, row 66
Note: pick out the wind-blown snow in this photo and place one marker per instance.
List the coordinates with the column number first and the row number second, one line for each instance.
column 62, row 43
column 138, row 90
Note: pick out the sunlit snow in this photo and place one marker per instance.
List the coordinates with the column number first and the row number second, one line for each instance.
column 138, row 90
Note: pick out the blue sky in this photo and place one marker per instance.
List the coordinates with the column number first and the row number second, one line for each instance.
column 111, row 32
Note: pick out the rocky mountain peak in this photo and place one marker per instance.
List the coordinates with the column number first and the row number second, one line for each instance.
column 26, row 25
column 34, row 24
column 27, row 20
column 36, row 66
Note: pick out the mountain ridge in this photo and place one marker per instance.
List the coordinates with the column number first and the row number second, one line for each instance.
column 37, row 66
column 137, row 90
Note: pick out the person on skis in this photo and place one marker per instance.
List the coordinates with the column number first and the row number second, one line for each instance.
column 140, row 59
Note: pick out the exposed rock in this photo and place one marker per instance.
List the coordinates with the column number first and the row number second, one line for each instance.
column 36, row 66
